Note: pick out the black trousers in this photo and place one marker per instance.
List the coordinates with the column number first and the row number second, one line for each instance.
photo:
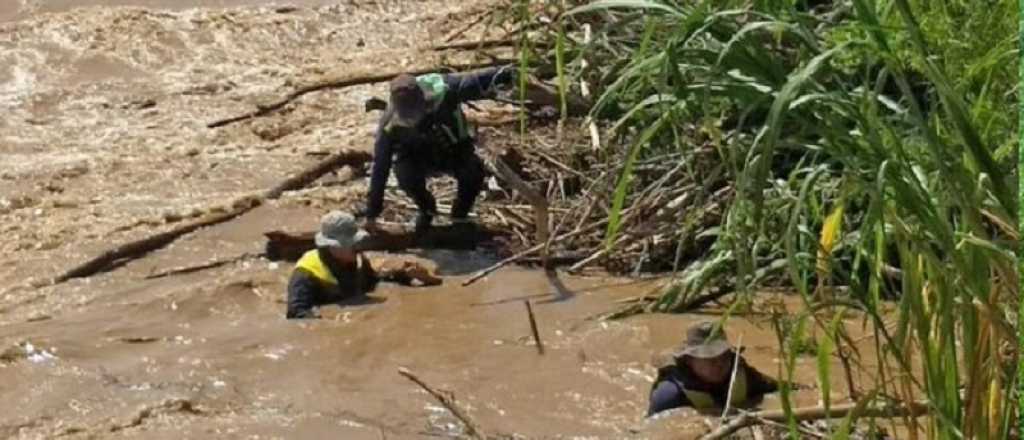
column 412, row 171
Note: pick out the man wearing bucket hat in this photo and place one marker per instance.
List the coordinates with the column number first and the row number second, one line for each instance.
column 336, row 270
column 700, row 374
column 424, row 132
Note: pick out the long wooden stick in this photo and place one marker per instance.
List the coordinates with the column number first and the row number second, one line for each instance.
column 481, row 16
column 472, row 428
column 533, row 327
column 628, row 214
column 120, row 255
column 484, row 272
column 369, row 76
column 203, row 266
column 815, row 413
column 732, row 377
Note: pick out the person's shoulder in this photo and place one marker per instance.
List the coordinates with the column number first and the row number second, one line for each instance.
column 384, row 121
column 757, row 378
column 300, row 273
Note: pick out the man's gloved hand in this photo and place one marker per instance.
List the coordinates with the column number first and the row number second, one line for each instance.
column 507, row 74
column 375, row 103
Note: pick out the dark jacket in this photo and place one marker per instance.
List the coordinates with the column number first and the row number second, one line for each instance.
column 306, row 290
column 668, row 389
column 443, row 129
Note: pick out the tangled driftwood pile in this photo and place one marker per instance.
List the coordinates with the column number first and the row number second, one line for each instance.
column 661, row 217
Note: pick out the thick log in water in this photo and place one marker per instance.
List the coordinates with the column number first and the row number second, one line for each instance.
column 290, row 246
column 126, row 252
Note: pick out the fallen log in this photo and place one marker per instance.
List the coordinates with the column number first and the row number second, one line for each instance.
column 370, row 75
column 287, row 246
column 126, row 252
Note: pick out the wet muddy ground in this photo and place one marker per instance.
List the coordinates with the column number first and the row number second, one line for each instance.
column 103, row 141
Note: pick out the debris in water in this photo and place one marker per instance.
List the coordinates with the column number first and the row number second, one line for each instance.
column 138, row 339
column 37, row 356
column 277, row 354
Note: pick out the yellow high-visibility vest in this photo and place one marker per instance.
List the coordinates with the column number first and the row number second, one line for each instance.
column 311, row 262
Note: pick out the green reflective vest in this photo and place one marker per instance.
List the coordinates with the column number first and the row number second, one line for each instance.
column 704, row 400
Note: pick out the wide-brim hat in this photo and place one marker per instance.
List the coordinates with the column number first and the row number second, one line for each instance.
column 703, row 342
column 410, row 102
column 339, row 230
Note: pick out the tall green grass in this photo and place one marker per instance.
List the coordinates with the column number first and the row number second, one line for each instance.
column 871, row 158
column 1020, row 165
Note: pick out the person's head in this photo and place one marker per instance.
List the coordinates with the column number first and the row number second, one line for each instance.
column 340, row 235
column 714, row 370
column 408, row 100
column 707, row 353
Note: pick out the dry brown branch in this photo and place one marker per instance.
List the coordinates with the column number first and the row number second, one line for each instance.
column 481, row 16
column 146, row 412
column 533, row 327
column 350, row 78
column 472, row 428
column 815, row 413
column 575, row 268
column 484, row 272
column 476, row 44
column 124, row 253
column 203, row 266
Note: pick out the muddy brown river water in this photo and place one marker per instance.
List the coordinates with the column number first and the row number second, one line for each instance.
column 103, row 141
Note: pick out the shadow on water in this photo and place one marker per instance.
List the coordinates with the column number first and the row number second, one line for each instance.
column 562, row 292
column 356, row 302
column 455, row 263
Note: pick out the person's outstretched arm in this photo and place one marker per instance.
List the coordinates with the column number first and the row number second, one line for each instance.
column 758, row 382
column 404, row 272
column 480, row 84
column 666, row 393
column 369, row 274
column 301, row 293
column 380, row 173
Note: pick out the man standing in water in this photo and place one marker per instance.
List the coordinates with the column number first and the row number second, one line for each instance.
column 336, row 270
column 424, row 132
column 701, row 373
